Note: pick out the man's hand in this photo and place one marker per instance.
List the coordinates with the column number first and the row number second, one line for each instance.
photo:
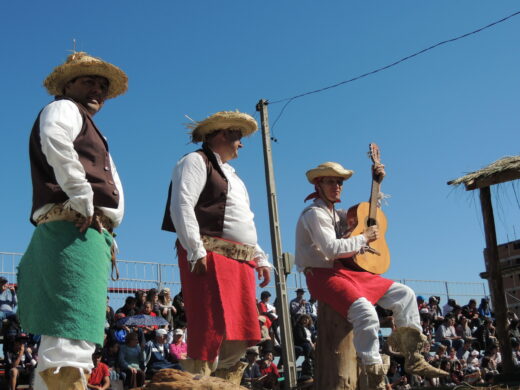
column 264, row 273
column 200, row 266
column 371, row 233
column 92, row 221
column 379, row 170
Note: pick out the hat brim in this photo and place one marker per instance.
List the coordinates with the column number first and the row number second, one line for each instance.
column 225, row 120
column 315, row 173
column 62, row 74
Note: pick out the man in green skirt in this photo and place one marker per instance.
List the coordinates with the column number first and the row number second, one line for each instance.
column 77, row 202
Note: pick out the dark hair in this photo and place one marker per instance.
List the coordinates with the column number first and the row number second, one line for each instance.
column 265, row 294
column 2, row 280
column 129, row 300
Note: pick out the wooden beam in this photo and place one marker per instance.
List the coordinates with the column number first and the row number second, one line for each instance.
column 496, row 178
column 495, row 281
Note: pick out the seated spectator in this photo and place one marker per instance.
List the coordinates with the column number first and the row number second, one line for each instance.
column 131, row 361
column 448, row 307
column 117, row 333
column 20, row 362
column 100, row 376
column 312, row 310
column 463, row 329
column 109, row 357
column 514, row 330
column 8, row 300
column 483, row 308
column 457, row 374
column 263, row 310
column 421, row 305
column 298, row 305
column 166, row 308
column 446, row 366
column 178, row 348
column 447, row 335
column 140, row 299
column 129, row 307
column 470, row 310
column 434, row 310
column 158, row 353
column 180, row 316
column 303, row 336
column 110, row 315
column 252, row 372
column 269, row 371
column 153, row 296
column 464, row 352
column 515, row 346
column 148, row 330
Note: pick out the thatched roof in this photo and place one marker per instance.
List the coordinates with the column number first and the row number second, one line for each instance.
column 505, row 169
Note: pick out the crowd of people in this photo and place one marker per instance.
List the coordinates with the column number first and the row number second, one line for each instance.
column 462, row 341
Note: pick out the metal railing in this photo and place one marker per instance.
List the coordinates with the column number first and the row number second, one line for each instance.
column 144, row 275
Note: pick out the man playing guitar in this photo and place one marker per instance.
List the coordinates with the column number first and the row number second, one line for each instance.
column 333, row 277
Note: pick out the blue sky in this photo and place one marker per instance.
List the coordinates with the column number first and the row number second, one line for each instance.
column 447, row 112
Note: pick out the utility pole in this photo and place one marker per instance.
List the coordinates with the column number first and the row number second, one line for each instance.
column 281, row 263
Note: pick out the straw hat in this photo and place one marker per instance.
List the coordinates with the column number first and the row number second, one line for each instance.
column 328, row 169
column 81, row 64
column 223, row 120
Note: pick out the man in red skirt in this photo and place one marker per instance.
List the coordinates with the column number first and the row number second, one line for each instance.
column 349, row 290
column 208, row 207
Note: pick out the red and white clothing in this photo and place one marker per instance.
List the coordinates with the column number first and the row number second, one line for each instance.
column 348, row 290
column 221, row 303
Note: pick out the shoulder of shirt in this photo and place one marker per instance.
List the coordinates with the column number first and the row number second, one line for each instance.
column 192, row 158
column 63, row 104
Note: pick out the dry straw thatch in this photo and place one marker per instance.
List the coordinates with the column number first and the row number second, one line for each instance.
column 507, row 167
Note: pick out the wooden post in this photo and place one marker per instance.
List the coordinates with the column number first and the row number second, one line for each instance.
column 495, row 281
column 336, row 365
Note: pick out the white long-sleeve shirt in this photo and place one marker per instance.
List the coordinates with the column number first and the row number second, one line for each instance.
column 60, row 124
column 316, row 242
column 189, row 179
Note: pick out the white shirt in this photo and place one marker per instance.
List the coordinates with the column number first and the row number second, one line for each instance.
column 316, row 242
column 60, row 124
column 189, row 179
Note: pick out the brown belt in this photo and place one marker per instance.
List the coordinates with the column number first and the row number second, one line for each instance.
column 240, row 252
column 60, row 213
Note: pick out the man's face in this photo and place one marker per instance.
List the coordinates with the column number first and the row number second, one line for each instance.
column 89, row 91
column 331, row 188
column 160, row 338
column 234, row 142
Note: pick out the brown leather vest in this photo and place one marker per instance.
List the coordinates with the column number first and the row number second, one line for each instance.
column 92, row 150
column 211, row 206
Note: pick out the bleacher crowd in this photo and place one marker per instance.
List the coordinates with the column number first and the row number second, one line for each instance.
column 462, row 341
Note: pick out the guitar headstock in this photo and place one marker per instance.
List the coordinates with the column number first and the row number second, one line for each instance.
column 374, row 153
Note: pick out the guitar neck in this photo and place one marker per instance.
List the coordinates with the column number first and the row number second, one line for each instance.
column 374, row 194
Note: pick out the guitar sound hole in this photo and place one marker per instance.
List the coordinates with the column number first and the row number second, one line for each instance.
column 371, row 222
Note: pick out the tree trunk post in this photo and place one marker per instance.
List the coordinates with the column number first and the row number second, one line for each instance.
column 335, row 361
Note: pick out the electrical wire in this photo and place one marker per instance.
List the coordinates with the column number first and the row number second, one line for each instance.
column 288, row 100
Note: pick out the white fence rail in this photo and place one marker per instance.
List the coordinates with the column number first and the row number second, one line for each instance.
column 144, row 275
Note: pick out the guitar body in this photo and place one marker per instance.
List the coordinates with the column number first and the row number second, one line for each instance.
column 358, row 221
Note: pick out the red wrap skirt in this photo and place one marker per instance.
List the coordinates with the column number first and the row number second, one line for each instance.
column 220, row 304
column 340, row 286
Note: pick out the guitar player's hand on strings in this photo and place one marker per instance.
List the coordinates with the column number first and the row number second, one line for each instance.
column 371, row 233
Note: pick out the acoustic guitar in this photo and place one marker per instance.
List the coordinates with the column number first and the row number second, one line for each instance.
column 375, row 256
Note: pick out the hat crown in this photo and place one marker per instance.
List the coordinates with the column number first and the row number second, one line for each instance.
column 328, row 168
column 81, row 56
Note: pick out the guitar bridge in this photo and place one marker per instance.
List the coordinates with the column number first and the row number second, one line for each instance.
column 369, row 249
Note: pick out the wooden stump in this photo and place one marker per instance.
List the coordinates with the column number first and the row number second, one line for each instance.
column 335, row 361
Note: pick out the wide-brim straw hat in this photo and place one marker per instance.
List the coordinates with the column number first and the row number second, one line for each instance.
column 328, row 169
column 81, row 64
column 223, row 120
